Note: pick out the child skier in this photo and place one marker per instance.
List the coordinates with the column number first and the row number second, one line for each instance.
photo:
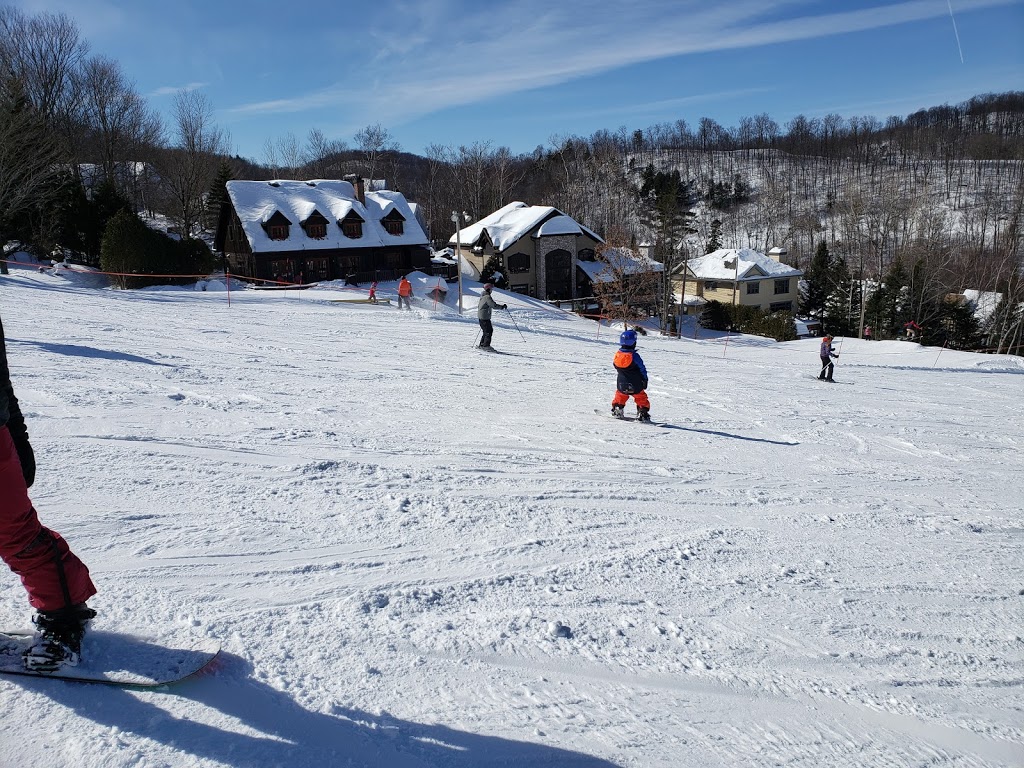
column 632, row 380
column 826, row 354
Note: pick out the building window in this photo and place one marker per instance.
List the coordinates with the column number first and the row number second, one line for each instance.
column 586, row 254
column 519, row 262
column 352, row 228
column 753, row 288
column 781, row 286
column 393, row 223
column 317, row 231
column 781, row 306
column 278, row 231
column 710, row 285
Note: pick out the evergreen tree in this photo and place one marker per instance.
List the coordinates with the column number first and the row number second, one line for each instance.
column 812, row 303
column 837, row 314
column 106, row 203
column 123, row 250
column 217, row 196
column 883, row 308
column 714, row 237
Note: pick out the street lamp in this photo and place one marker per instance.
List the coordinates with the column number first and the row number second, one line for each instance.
column 458, row 249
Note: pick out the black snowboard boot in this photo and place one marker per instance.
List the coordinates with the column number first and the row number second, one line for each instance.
column 59, row 642
column 643, row 414
column 617, row 412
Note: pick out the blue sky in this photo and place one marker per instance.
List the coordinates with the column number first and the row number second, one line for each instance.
column 520, row 73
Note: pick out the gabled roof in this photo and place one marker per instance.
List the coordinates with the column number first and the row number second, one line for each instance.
column 256, row 201
column 516, row 220
column 752, row 265
column 622, row 259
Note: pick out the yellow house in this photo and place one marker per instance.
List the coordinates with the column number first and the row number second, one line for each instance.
column 745, row 277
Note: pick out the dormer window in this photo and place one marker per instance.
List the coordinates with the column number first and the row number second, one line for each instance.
column 393, row 223
column 277, row 226
column 352, row 226
column 315, row 226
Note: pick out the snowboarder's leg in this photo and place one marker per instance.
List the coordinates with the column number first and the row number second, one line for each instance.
column 643, row 406
column 52, row 575
column 618, row 403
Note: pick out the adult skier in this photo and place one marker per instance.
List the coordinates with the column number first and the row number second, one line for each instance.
column 483, row 314
column 57, row 582
column 632, row 379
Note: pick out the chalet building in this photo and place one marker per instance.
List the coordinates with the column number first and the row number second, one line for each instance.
column 623, row 270
column 305, row 231
column 539, row 248
column 744, row 277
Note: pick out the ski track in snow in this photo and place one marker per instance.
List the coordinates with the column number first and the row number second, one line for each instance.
column 416, row 555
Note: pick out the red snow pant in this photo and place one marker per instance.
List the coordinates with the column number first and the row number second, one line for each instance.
column 640, row 398
column 51, row 573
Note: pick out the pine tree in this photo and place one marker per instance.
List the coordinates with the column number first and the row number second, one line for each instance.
column 812, row 303
column 836, row 315
column 217, row 196
column 714, row 237
column 883, row 307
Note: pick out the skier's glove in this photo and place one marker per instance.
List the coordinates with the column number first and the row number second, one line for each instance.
column 19, row 433
column 504, row 306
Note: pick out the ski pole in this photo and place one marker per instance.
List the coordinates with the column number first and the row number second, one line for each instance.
column 515, row 324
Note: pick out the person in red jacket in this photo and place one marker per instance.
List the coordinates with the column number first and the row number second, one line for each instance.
column 57, row 582
column 404, row 293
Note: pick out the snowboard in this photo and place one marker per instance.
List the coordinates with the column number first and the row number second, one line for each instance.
column 650, row 423
column 111, row 658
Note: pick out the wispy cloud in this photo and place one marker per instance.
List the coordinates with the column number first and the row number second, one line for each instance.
column 170, row 90
column 448, row 61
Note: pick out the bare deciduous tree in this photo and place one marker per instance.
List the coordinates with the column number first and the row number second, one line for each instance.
column 188, row 167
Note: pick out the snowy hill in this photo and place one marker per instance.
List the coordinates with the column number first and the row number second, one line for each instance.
column 418, row 554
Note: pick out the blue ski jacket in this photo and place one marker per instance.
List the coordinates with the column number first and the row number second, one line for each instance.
column 632, row 371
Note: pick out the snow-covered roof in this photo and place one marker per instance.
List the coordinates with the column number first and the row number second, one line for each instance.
column 719, row 265
column 622, row 260
column 256, row 201
column 507, row 225
column 984, row 302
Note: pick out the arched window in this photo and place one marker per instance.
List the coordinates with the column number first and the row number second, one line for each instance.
column 518, row 262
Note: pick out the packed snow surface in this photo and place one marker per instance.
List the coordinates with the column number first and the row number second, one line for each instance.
column 415, row 553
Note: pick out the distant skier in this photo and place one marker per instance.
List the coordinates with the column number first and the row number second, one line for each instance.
column 632, row 379
column 826, row 354
column 373, row 292
column 867, row 333
column 57, row 582
column 404, row 293
column 483, row 314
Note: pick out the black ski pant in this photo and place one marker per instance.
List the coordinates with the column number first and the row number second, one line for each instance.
column 826, row 369
column 488, row 331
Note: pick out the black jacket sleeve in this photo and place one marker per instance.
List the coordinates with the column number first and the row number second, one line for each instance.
column 12, row 418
